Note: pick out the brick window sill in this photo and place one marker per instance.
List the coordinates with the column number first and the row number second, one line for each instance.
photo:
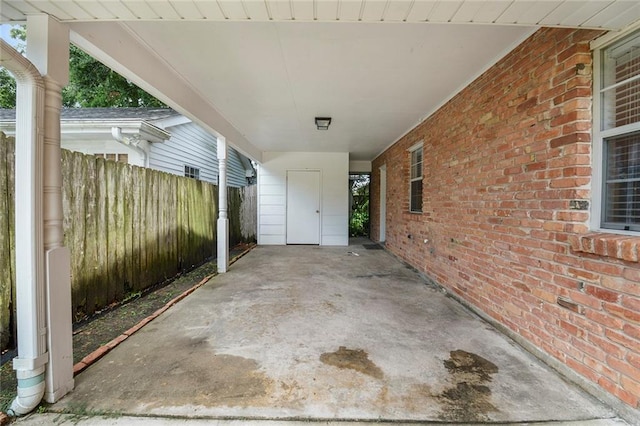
column 618, row 246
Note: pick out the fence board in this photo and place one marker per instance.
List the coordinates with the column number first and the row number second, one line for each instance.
column 248, row 216
column 91, row 232
column 113, row 241
column 137, row 201
column 101, row 284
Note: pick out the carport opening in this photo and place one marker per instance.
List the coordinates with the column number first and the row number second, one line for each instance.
column 359, row 212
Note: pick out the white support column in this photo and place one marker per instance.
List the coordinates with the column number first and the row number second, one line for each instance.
column 223, row 219
column 48, row 49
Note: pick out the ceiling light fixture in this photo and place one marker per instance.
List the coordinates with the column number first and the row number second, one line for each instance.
column 322, row 123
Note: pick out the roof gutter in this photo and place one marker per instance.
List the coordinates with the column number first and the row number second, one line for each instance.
column 30, row 298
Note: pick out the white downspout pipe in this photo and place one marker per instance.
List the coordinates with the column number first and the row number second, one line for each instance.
column 30, row 296
column 116, row 133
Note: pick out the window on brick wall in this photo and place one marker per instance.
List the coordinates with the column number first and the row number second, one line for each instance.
column 415, row 191
column 617, row 130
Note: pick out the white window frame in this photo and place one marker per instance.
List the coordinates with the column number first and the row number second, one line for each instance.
column 192, row 172
column 599, row 135
column 414, row 148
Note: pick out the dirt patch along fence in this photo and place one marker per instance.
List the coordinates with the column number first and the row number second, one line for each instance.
column 128, row 228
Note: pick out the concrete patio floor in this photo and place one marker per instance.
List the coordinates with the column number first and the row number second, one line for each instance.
column 326, row 334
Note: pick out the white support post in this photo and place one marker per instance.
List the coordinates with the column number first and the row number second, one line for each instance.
column 48, row 49
column 223, row 219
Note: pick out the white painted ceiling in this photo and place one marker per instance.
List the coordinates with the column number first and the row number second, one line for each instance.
column 267, row 68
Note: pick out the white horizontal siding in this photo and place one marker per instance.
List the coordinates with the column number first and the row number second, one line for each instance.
column 236, row 175
column 190, row 145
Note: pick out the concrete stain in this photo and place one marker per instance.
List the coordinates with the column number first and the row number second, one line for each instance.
column 469, row 397
column 353, row 359
column 214, row 379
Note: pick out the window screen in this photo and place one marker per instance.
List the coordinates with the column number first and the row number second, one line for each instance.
column 415, row 196
column 622, row 185
column 620, row 127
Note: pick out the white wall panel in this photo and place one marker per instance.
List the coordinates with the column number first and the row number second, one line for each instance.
column 334, row 168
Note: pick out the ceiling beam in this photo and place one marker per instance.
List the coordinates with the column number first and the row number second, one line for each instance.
column 118, row 48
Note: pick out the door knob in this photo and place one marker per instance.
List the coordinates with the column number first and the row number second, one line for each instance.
column 317, row 211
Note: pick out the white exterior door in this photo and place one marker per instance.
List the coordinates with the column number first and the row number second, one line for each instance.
column 303, row 207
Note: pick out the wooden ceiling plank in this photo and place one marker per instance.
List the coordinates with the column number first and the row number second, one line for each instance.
column 256, row 10
column 373, row 10
column 21, row 6
column 570, row 14
column 421, row 10
column 624, row 19
column 210, row 10
column 467, row 11
column 10, row 14
column 164, row 9
column 611, row 12
column 398, row 10
column 326, row 10
column 94, row 9
column 443, row 11
column 234, row 10
column 281, row 10
column 303, row 10
column 350, row 10
column 141, row 9
column 490, row 11
column 118, row 9
column 187, row 9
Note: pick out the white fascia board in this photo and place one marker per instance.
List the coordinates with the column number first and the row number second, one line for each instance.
column 93, row 129
column 165, row 123
column 118, row 47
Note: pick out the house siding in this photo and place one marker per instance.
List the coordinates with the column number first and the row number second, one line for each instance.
column 190, row 145
column 505, row 221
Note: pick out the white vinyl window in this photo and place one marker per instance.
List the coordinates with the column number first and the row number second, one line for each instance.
column 192, row 172
column 617, row 134
column 415, row 191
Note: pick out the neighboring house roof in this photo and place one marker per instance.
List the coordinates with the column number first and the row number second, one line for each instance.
column 93, row 123
column 104, row 113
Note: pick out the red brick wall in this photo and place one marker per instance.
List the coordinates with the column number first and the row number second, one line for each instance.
column 507, row 174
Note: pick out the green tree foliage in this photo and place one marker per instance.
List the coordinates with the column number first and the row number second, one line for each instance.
column 91, row 84
column 7, row 82
column 7, row 89
column 359, row 220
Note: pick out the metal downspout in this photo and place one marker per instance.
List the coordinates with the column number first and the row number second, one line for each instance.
column 116, row 133
column 30, row 298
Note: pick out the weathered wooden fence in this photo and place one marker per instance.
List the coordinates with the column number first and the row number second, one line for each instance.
column 127, row 228
column 7, row 241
